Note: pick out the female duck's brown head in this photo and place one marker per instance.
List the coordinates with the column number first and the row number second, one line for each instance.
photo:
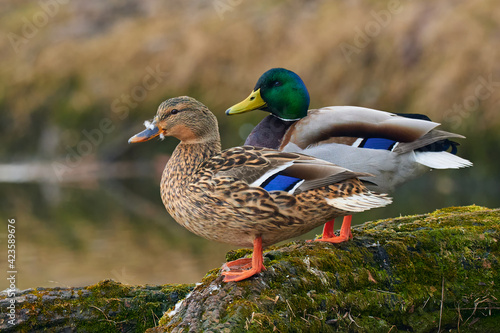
column 183, row 118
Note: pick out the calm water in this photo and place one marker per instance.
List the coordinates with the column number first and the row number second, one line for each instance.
column 119, row 229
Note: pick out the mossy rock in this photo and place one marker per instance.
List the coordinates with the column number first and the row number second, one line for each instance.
column 104, row 307
column 419, row 274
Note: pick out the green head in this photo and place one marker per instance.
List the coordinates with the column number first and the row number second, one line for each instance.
column 278, row 91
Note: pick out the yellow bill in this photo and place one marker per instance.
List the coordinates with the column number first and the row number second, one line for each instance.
column 252, row 102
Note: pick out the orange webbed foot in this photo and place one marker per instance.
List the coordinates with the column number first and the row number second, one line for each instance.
column 244, row 268
column 242, row 275
column 238, row 264
column 335, row 239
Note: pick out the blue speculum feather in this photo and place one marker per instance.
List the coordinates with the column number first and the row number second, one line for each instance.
column 279, row 182
column 387, row 144
column 377, row 143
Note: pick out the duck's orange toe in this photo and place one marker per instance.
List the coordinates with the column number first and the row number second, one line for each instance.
column 238, row 264
column 242, row 275
column 335, row 239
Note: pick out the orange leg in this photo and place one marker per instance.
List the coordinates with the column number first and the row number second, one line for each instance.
column 345, row 232
column 328, row 229
column 256, row 266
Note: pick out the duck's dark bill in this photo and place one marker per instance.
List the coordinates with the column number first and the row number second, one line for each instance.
column 145, row 135
column 252, row 102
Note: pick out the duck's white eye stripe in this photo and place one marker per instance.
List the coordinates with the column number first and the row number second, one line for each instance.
column 149, row 125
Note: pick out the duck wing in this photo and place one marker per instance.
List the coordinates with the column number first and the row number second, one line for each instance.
column 354, row 122
column 278, row 171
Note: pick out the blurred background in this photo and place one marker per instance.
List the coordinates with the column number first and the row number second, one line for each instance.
column 78, row 78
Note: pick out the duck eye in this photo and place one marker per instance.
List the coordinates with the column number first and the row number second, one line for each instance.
column 174, row 111
column 277, row 83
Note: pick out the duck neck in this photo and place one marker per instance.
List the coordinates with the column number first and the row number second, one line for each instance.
column 186, row 159
column 269, row 132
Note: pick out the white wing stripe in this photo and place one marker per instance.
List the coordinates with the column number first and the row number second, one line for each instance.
column 357, row 142
column 292, row 191
column 270, row 173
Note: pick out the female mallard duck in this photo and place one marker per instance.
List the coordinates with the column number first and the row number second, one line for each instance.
column 246, row 195
column 394, row 148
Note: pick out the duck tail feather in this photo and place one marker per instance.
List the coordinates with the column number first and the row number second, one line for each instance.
column 441, row 160
column 360, row 202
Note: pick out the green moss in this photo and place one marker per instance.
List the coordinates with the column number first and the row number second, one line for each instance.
column 237, row 254
column 109, row 288
column 459, row 210
column 239, row 309
column 210, row 276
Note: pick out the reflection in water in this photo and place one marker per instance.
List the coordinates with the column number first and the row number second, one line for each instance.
column 119, row 229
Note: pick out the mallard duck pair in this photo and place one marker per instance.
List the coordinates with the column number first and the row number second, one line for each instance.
column 247, row 196
column 283, row 184
column 394, row 148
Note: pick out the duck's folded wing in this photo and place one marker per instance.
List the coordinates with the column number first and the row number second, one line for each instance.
column 426, row 140
column 352, row 121
column 279, row 171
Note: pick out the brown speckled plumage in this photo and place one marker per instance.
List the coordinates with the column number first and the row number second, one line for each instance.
column 223, row 208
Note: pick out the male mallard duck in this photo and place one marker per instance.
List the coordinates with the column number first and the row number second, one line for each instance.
column 246, row 195
column 394, row 148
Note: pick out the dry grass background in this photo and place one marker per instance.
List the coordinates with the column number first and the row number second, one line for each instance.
column 424, row 57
